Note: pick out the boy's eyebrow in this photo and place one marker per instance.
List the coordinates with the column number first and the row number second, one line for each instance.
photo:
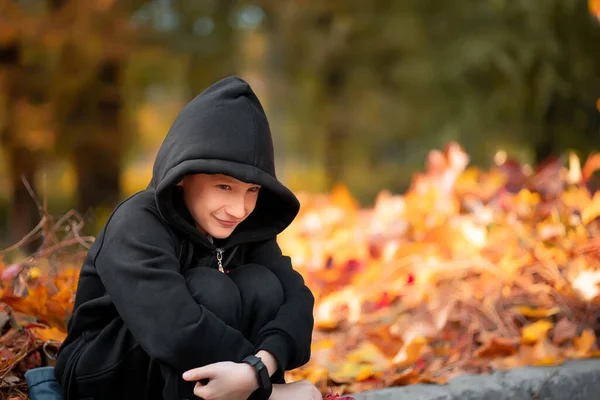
column 233, row 180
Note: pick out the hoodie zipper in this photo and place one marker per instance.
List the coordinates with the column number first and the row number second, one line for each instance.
column 220, row 259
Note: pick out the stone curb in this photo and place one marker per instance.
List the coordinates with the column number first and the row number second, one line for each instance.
column 574, row 380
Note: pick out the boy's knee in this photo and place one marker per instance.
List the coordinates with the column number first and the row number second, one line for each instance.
column 215, row 291
column 258, row 284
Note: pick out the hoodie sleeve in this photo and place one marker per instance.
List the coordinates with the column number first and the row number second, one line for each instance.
column 289, row 335
column 138, row 265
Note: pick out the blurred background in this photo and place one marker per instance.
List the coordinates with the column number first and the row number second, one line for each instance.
column 357, row 92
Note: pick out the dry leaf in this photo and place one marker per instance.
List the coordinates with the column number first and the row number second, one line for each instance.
column 535, row 332
column 564, row 330
column 405, row 377
column 531, row 312
column 367, row 352
column 497, row 347
column 592, row 210
column 48, row 334
column 545, row 353
column 582, row 344
column 592, row 163
column 411, row 351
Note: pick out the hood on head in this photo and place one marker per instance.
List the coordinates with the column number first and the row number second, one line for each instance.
column 224, row 130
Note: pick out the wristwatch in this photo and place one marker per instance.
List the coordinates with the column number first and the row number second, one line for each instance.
column 262, row 376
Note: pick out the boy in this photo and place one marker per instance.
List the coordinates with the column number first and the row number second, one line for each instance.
column 185, row 291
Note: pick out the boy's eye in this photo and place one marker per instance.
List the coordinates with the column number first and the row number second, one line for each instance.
column 224, row 187
column 254, row 189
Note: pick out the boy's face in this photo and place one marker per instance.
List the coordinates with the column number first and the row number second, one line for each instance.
column 218, row 203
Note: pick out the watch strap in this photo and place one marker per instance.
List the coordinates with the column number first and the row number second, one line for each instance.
column 265, row 387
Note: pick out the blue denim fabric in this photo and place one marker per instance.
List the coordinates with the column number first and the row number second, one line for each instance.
column 42, row 384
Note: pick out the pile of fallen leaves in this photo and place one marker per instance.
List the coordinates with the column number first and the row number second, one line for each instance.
column 36, row 298
column 467, row 272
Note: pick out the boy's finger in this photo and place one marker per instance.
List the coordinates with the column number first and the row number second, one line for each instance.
column 196, row 374
column 202, row 391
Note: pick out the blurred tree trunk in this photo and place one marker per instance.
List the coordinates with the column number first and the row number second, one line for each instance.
column 207, row 67
column 337, row 133
column 89, row 98
column 97, row 151
column 22, row 161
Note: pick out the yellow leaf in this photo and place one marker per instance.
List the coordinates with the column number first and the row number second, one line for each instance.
column 537, row 312
column 35, row 273
column 535, row 332
column 410, row 352
column 368, row 353
column 584, row 343
column 365, row 373
column 323, row 344
column 594, row 354
column 591, row 211
column 349, row 372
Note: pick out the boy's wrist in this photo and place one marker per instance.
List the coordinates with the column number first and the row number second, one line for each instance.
column 269, row 360
column 252, row 378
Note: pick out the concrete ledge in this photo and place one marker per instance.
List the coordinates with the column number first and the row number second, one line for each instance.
column 574, row 380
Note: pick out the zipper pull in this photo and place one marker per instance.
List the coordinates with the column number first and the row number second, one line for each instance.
column 220, row 259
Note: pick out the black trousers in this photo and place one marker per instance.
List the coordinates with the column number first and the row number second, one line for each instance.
column 246, row 299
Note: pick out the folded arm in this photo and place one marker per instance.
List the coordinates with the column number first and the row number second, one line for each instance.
column 289, row 335
column 138, row 265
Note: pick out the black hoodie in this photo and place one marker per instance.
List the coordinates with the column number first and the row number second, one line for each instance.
column 131, row 290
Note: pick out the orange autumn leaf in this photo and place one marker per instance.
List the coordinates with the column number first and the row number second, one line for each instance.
column 20, row 304
column 582, row 344
column 38, row 296
column 545, row 353
column 433, row 379
column 405, row 377
column 48, row 334
column 411, row 351
column 592, row 164
column 497, row 347
column 342, row 198
column 592, row 210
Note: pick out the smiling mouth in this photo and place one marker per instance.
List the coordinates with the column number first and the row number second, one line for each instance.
column 227, row 223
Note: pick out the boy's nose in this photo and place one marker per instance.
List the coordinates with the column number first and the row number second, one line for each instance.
column 237, row 209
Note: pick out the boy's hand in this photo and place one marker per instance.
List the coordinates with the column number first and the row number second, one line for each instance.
column 300, row 390
column 227, row 381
